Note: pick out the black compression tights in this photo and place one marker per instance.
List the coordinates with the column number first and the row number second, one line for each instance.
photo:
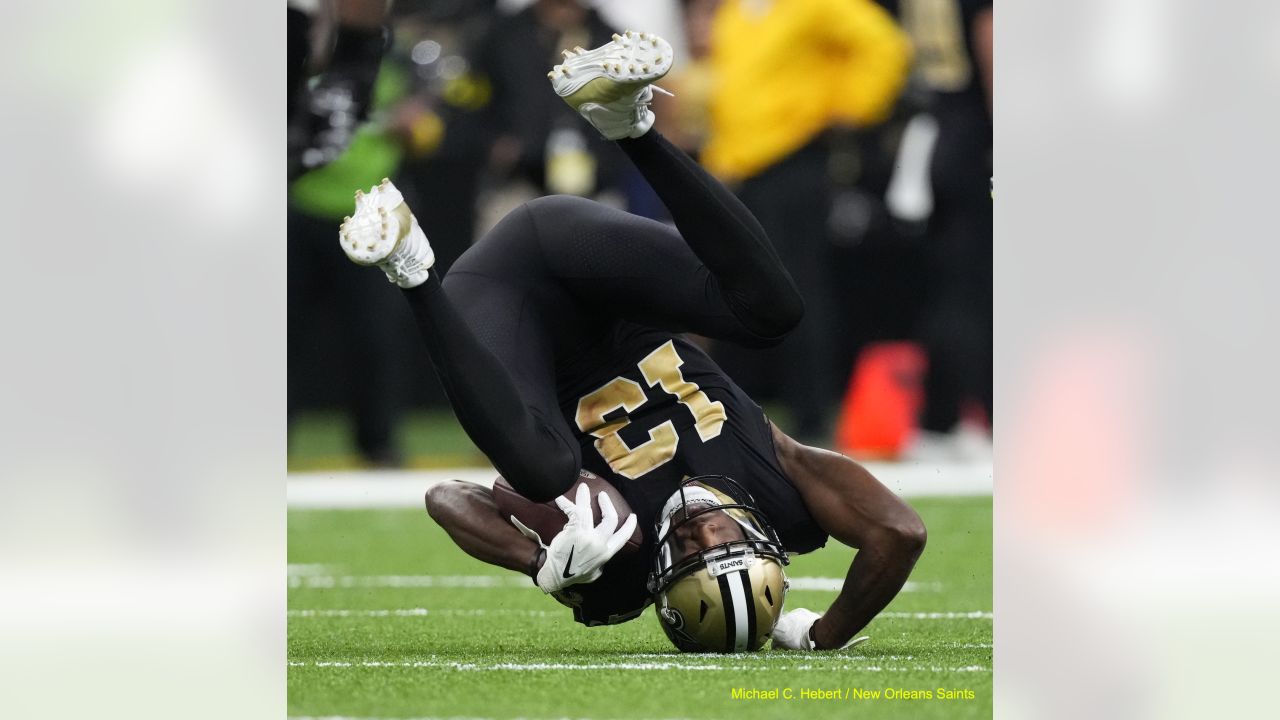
column 535, row 284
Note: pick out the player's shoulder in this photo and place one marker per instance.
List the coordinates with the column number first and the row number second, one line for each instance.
column 797, row 460
column 785, row 447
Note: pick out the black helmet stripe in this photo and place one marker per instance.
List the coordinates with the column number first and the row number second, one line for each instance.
column 730, row 622
column 739, row 610
column 745, row 576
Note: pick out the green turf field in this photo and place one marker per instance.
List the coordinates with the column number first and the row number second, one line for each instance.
column 388, row 619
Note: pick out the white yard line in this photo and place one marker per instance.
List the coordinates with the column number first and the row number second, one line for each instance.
column 429, row 718
column 353, row 718
column 408, row 581
column 309, row 569
column 421, row 612
column 316, row 577
column 482, row 612
column 974, row 615
column 405, row 488
column 834, row 584
column 424, row 718
column 818, row 658
column 628, row 666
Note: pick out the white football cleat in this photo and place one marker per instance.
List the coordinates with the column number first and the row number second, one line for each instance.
column 385, row 233
column 611, row 85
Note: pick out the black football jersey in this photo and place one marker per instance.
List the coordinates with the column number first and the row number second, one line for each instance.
column 942, row 33
column 947, row 64
column 650, row 409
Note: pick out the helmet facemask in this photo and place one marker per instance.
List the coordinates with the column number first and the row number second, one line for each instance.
column 725, row 597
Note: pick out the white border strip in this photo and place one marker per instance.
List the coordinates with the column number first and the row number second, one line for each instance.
column 406, row 488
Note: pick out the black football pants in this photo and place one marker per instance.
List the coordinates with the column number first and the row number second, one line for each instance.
column 554, row 273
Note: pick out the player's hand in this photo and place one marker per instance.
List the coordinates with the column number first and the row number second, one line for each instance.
column 578, row 553
column 794, row 631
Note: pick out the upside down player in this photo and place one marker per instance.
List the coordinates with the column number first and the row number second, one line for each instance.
column 557, row 340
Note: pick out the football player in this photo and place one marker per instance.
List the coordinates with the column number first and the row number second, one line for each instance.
column 557, row 338
column 343, row 41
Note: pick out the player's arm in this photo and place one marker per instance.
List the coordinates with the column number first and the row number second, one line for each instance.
column 469, row 514
column 854, row 508
column 577, row 554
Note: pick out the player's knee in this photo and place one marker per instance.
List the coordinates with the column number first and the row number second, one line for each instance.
column 556, row 206
column 791, row 311
column 770, row 319
column 552, row 203
column 785, row 313
column 546, row 470
column 549, row 482
column 547, row 479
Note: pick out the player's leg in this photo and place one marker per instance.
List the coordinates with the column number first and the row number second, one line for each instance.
column 617, row 264
column 496, row 364
column 717, row 279
column 505, row 402
column 723, row 233
column 611, row 88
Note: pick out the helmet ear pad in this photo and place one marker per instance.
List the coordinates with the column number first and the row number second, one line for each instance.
column 734, row 612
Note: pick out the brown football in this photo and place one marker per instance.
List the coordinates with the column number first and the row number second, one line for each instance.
column 547, row 519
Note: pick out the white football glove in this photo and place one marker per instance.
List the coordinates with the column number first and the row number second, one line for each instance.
column 792, row 631
column 578, row 553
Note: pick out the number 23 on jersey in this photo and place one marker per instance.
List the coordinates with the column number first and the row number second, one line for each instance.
column 660, row 368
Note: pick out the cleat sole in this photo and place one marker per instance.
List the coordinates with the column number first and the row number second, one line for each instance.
column 368, row 237
column 612, row 70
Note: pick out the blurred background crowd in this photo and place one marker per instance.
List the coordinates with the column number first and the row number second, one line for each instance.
column 858, row 131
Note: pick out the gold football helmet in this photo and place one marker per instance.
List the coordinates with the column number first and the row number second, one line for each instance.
column 717, row 579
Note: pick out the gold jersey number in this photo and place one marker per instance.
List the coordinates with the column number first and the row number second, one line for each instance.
column 660, row 368
column 937, row 29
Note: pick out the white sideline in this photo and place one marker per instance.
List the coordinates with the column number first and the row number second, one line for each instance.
column 405, row 488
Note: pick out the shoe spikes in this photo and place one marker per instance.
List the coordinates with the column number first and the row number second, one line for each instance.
column 625, row 39
column 382, row 213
